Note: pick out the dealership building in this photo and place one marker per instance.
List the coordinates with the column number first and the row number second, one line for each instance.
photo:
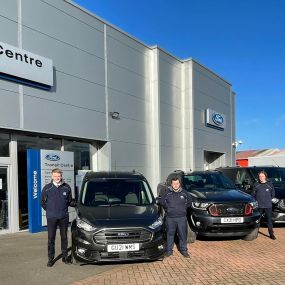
column 72, row 82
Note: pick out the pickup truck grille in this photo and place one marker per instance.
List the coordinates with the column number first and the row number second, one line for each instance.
column 228, row 210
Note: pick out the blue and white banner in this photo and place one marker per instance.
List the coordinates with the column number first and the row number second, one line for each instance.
column 34, row 190
column 40, row 166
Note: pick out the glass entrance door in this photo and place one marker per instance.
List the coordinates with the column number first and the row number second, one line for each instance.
column 4, row 221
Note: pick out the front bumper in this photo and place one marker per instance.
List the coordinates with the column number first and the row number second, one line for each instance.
column 278, row 217
column 85, row 249
column 207, row 225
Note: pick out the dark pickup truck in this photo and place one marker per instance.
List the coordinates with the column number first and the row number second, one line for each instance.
column 219, row 209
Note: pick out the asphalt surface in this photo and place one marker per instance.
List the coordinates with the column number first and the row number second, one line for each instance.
column 23, row 259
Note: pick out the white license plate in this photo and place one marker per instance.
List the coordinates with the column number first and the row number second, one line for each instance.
column 123, row 247
column 233, row 220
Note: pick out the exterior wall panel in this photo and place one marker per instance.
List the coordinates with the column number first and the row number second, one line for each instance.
column 99, row 69
column 210, row 90
column 9, row 109
column 62, row 119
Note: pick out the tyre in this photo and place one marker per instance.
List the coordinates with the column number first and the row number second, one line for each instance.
column 73, row 256
column 191, row 235
column 252, row 235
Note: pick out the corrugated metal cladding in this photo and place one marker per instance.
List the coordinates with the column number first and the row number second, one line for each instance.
column 98, row 69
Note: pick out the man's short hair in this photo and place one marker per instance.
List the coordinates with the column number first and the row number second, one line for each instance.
column 57, row 170
column 174, row 178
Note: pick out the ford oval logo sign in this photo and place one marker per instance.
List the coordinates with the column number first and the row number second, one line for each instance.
column 52, row 157
column 218, row 119
column 232, row 210
column 123, row 234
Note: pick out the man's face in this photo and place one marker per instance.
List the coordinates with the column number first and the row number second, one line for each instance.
column 56, row 177
column 175, row 184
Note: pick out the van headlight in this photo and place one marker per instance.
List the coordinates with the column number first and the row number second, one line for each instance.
column 156, row 224
column 254, row 204
column 83, row 225
column 200, row 206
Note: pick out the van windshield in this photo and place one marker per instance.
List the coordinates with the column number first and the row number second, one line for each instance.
column 275, row 174
column 111, row 192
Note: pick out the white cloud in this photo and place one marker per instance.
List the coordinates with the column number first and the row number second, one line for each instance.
column 251, row 122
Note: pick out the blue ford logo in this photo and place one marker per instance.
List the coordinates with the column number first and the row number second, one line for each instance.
column 123, row 234
column 218, row 119
column 52, row 157
column 232, row 210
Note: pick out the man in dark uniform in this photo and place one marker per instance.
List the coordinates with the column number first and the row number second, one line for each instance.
column 264, row 193
column 175, row 201
column 55, row 199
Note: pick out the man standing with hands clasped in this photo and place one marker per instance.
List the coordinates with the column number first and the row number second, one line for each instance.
column 55, row 199
column 175, row 201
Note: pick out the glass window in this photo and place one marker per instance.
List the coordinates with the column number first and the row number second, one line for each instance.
column 275, row 174
column 24, row 143
column 81, row 152
column 82, row 155
column 4, row 144
column 208, row 181
column 104, row 192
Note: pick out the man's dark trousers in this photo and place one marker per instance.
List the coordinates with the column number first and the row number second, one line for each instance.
column 179, row 224
column 52, row 224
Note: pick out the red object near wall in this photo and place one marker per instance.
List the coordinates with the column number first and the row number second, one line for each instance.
column 242, row 162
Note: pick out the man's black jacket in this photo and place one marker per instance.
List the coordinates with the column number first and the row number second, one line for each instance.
column 56, row 199
column 176, row 203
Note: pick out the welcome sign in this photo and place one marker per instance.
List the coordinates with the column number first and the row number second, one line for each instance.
column 18, row 63
column 40, row 165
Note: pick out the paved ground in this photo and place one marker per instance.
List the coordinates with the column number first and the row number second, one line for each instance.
column 223, row 262
column 23, row 259
column 226, row 262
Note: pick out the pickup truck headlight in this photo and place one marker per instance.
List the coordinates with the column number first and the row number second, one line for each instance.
column 200, row 206
column 275, row 200
column 156, row 224
column 85, row 226
column 254, row 204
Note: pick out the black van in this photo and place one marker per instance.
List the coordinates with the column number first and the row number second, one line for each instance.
column 245, row 177
column 117, row 219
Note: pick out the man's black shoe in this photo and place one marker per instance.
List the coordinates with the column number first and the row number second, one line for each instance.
column 185, row 254
column 167, row 254
column 272, row 236
column 50, row 263
column 66, row 260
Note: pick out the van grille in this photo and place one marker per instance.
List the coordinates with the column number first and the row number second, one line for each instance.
column 122, row 236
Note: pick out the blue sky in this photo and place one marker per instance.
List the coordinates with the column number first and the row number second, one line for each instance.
column 241, row 40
